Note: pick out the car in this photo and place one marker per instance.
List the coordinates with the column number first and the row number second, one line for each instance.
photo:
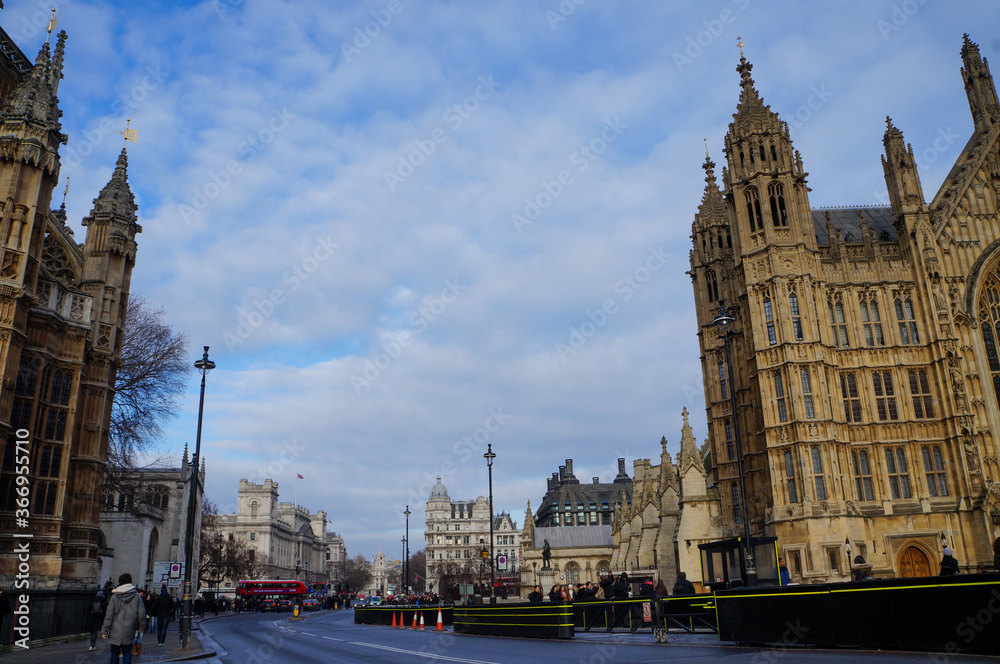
column 310, row 604
column 284, row 605
column 267, row 605
column 374, row 600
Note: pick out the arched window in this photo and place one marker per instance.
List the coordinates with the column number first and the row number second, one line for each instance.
column 793, row 304
column 572, row 573
column 712, row 286
column 774, row 154
column 753, row 210
column 989, row 318
column 779, row 215
column 254, row 507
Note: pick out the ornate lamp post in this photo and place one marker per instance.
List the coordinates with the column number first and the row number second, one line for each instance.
column 204, row 365
column 403, row 540
column 724, row 322
column 489, row 456
column 406, row 553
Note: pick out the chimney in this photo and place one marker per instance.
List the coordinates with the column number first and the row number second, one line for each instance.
column 562, row 473
column 569, row 468
column 597, row 480
column 621, row 466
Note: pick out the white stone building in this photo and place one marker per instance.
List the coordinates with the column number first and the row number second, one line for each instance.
column 336, row 557
column 293, row 540
column 457, row 531
column 144, row 521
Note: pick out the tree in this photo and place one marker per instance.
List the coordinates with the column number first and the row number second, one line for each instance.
column 226, row 558
column 357, row 573
column 150, row 380
column 418, row 571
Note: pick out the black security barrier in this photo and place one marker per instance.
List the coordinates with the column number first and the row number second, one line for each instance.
column 543, row 621
column 688, row 612
column 384, row 614
column 943, row 614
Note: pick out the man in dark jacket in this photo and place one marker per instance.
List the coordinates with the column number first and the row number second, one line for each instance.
column 535, row 596
column 126, row 614
column 621, row 587
column 682, row 586
column 163, row 607
column 95, row 617
column 949, row 565
column 606, row 584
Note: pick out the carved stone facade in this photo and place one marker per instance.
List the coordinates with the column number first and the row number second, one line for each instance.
column 62, row 308
column 864, row 353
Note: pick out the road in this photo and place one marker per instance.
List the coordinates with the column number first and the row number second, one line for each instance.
column 332, row 637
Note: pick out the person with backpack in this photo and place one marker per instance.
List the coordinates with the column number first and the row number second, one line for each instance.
column 95, row 617
column 126, row 613
column 162, row 608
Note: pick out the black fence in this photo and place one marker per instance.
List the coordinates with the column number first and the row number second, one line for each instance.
column 952, row 614
column 691, row 613
column 388, row 614
column 542, row 621
column 47, row 614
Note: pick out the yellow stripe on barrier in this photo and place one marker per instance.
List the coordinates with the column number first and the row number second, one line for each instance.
column 531, row 615
column 493, row 624
column 932, row 585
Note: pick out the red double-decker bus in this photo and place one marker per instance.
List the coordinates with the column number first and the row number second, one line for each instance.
column 263, row 588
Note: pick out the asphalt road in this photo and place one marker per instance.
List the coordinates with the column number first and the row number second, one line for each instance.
column 332, row 637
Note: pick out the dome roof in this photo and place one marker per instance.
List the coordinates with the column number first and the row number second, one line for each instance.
column 438, row 491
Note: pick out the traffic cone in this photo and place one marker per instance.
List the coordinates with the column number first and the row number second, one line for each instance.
column 421, row 621
column 393, row 618
column 440, row 625
column 414, row 620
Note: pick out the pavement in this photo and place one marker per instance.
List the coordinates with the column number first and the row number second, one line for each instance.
column 76, row 651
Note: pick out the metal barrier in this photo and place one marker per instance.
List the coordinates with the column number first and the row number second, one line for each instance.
column 386, row 614
column 51, row 613
column 690, row 613
column 543, row 621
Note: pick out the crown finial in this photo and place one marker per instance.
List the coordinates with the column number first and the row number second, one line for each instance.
column 53, row 22
column 741, row 44
column 129, row 134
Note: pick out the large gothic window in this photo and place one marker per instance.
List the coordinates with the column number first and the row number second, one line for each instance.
column 989, row 318
column 753, row 209
column 779, row 215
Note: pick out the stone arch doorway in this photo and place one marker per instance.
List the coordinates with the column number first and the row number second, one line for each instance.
column 913, row 562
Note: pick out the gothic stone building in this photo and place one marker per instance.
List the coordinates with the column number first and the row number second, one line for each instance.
column 864, row 351
column 62, row 309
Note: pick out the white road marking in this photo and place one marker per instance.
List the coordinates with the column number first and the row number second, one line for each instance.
column 428, row 655
column 330, row 638
column 308, row 634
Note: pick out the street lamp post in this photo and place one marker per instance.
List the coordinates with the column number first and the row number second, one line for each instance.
column 204, row 365
column 489, row 456
column 403, row 540
column 406, row 551
column 724, row 322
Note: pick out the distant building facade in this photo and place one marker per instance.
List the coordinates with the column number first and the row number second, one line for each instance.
column 567, row 502
column 292, row 539
column 457, row 531
column 336, row 557
column 864, row 350
column 144, row 522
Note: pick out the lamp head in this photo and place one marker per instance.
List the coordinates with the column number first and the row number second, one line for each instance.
column 204, row 365
column 489, row 455
column 723, row 321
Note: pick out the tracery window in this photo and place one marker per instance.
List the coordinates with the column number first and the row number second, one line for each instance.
column 793, row 304
column 838, row 323
column 779, row 215
column 872, row 320
column 753, row 208
column 769, row 319
column 989, row 319
column 907, row 321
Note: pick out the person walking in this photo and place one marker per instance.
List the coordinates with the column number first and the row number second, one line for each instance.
column 162, row 609
column 126, row 613
column 949, row 565
column 95, row 617
column 682, row 586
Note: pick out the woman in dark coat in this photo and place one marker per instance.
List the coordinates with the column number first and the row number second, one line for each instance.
column 95, row 617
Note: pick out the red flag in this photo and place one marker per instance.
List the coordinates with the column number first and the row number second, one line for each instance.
column 299, row 476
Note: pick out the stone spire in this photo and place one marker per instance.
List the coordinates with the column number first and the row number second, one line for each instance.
column 32, row 106
column 689, row 448
column 184, row 459
column 979, row 86
column 56, row 71
column 751, row 109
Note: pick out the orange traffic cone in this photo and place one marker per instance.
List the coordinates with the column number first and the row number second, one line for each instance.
column 400, row 625
column 393, row 619
column 421, row 621
column 440, row 625
column 414, row 625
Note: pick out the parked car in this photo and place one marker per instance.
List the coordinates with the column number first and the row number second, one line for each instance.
column 284, row 605
column 267, row 605
column 310, row 604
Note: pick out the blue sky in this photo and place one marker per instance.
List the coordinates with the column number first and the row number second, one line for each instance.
column 388, row 219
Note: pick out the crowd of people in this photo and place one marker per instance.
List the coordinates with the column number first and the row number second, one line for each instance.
column 610, row 588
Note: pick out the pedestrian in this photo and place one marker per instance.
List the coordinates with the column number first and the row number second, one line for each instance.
column 126, row 613
column 535, row 596
column 163, row 607
column 621, row 587
column 95, row 617
column 151, row 612
column 606, row 583
column 555, row 596
column 949, row 565
column 996, row 555
column 784, row 578
column 682, row 586
column 647, row 588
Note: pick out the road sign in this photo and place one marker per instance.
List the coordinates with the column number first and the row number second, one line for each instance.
column 502, row 563
column 647, row 615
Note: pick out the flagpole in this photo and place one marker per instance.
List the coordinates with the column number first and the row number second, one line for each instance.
column 296, row 504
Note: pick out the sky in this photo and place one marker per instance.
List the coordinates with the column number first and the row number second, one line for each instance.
column 409, row 230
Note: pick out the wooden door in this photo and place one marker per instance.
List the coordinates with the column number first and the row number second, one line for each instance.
column 913, row 563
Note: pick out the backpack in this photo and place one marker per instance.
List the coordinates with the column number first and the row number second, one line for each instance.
column 95, row 610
